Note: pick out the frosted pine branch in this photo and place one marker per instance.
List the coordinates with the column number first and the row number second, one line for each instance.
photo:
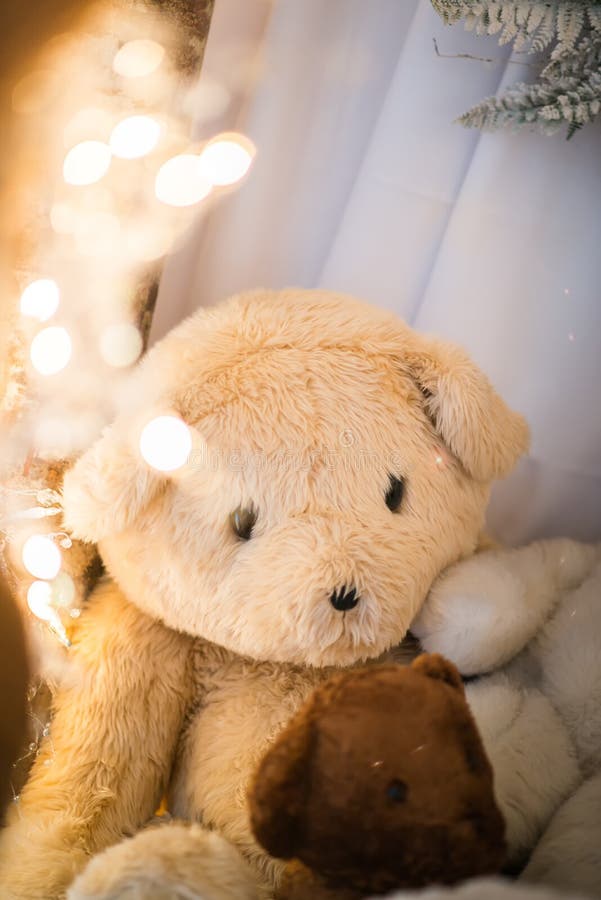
column 568, row 32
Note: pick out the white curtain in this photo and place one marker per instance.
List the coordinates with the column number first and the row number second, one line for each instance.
column 363, row 183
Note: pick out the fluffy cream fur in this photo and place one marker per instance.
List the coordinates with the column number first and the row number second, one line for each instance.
column 303, row 404
column 532, row 616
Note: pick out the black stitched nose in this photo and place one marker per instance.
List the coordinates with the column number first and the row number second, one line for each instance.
column 344, row 599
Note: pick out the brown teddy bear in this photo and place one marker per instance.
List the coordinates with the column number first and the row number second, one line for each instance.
column 380, row 781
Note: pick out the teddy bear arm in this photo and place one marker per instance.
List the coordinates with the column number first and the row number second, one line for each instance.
column 484, row 610
column 101, row 772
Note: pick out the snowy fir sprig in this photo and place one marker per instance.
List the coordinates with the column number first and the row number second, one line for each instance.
column 567, row 33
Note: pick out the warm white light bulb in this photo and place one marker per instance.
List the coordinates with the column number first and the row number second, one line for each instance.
column 226, row 159
column 40, row 299
column 180, row 181
column 86, row 163
column 120, row 344
column 63, row 590
column 39, row 597
column 135, row 137
column 138, row 58
column 165, row 443
column 50, row 350
column 41, row 557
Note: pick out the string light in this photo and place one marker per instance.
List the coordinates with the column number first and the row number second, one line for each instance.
column 41, row 557
column 63, row 590
column 39, row 597
column 86, row 163
column 134, row 137
column 120, row 344
column 181, row 182
column 165, row 443
column 226, row 159
column 100, row 234
column 138, row 58
column 39, row 601
column 40, row 299
column 50, row 350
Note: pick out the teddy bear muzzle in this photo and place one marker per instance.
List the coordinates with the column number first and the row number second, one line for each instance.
column 344, row 599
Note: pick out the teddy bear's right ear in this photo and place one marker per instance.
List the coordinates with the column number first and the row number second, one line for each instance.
column 278, row 796
column 432, row 665
column 107, row 488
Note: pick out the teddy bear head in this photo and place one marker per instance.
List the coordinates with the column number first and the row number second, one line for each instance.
column 340, row 462
column 379, row 782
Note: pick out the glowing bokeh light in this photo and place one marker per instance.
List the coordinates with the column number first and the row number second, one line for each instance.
column 138, row 58
column 63, row 590
column 39, row 597
column 40, row 299
column 120, row 344
column 50, row 350
column 134, row 137
column 41, row 557
column 181, row 182
column 165, row 443
column 86, row 163
column 226, row 159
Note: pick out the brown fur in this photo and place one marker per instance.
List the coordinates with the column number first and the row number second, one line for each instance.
column 321, row 793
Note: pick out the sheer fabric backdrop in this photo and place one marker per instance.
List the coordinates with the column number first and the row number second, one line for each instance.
column 362, row 183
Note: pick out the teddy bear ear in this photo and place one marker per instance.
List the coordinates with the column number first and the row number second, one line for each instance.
column 107, row 488
column 472, row 419
column 278, row 796
column 432, row 665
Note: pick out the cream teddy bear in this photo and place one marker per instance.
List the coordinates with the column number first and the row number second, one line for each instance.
column 340, row 462
column 532, row 618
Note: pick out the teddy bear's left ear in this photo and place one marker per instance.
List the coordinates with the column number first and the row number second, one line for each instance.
column 107, row 488
column 278, row 796
column 472, row 419
column 432, row 665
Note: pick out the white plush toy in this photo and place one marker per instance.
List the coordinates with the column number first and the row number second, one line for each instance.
column 529, row 621
column 487, row 889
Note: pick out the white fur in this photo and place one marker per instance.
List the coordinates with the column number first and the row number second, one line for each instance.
column 532, row 616
column 169, row 862
column 569, row 854
column 487, row 889
column 531, row 754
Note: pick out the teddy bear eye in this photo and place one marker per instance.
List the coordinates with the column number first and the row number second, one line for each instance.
column 397, row 791
column 394, row 494
column 243, row 520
